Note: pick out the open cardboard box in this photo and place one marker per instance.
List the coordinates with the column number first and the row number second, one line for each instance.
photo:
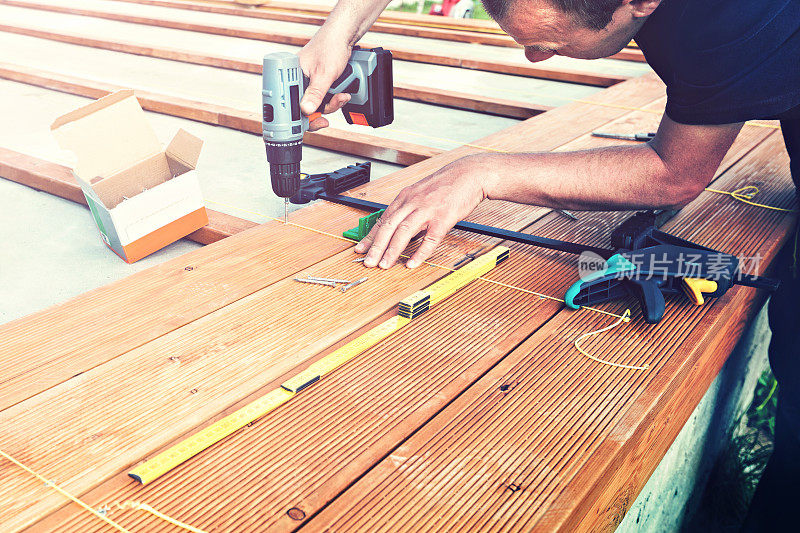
column 142, row 197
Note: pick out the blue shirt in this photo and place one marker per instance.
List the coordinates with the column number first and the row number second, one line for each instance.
column 725, row 61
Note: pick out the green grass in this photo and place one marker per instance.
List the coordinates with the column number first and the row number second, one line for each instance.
column 735, row 476
column 477, row 13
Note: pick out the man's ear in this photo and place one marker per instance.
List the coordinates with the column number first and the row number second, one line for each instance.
column 643, row 8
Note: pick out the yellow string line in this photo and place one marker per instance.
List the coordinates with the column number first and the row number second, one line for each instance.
column 138, row 506
column 746, row 194
column 66, row 494
column 100, row 513
column 520, row 289
column 603, row 330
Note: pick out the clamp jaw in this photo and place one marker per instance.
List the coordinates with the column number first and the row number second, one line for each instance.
column 651, row 263
column 320, row 186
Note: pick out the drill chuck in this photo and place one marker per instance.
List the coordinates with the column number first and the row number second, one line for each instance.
column 284, row 167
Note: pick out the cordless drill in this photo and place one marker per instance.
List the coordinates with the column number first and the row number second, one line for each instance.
column 367, row 77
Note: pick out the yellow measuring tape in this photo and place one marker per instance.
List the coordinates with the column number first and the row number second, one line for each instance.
column 191, row 446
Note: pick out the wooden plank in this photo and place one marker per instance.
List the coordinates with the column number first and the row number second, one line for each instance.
column 571, row 443
column 334, row 139
column 47, row 360
column 60, row 361
column 180, row 379
column 399, row 17
column 287, row 15
column 416, row 93
column 386, row 395
column 58, row 180
column 447, row 34
column 503, row 67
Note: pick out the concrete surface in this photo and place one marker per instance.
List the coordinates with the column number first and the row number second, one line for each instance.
column 673, row 491
column 52, row 251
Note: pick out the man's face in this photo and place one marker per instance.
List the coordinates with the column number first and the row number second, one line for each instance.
column 545, row 31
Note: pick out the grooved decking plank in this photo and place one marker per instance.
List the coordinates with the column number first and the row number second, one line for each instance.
column 571, row 443
column 192, row 373
column 58, row 180
column 96, row 350
column 345, row 141
column 503, row 67
column 166, row 286
column 394, row 389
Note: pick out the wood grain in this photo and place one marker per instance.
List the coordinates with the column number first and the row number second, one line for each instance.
column 545, row 132
column 503, row 67
column 416, row 93
column 338, row 140
column 305, row 454
column 138, row 328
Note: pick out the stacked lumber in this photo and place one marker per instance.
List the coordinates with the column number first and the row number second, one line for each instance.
column 419, row 54
column 478, row 414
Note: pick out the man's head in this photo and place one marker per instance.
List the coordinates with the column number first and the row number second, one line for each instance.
column 586, row 29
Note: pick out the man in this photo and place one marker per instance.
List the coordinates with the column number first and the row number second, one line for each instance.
column 724, row 62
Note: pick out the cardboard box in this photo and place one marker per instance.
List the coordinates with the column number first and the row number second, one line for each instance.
column 141, row 196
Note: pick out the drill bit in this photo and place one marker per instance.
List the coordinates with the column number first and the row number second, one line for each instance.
column 285, row 210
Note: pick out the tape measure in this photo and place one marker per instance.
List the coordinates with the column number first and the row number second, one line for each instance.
column 408, row 309
column 421, row 301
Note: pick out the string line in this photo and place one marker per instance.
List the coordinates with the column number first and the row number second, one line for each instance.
column 100, row 514
column 603, row 330
column 746, row 194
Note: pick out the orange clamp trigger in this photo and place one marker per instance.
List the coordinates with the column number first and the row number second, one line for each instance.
column 314, row 116
column 695, row 287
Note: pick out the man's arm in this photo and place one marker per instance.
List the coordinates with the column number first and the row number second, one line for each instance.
column 669, row 171
column 324, row 57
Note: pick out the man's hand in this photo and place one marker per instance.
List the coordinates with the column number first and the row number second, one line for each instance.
column 323, row 59
column 433, row 205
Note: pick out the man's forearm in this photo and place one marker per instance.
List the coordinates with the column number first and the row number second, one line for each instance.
column 614, row 178
column 350, row 19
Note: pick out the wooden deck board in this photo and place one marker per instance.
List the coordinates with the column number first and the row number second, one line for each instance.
column 387, row 394
column 232, row 350
column 528, row 458
column 545, row 132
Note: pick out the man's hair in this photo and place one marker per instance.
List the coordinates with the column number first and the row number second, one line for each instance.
column 594, row 14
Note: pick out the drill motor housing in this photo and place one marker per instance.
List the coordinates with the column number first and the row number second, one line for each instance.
column 367, row 77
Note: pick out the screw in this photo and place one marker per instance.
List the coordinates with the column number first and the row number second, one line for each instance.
column 189, row 269
column 193, row 391
column 353, row 284
column 315, row 282
column 331, row 280
column 359, row 260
